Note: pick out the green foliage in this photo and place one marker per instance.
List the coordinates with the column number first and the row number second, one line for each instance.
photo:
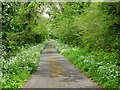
column 20, row 67
column 112, row 32
column 19, row 20
column 22, row 27
column 64, row 24
column 93, row 30
column 91, row 26
column 87, row 25
column 111, row 8
column 99, row 65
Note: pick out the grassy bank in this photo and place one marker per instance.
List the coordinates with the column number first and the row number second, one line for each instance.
column 20, row 67
column 98, row 65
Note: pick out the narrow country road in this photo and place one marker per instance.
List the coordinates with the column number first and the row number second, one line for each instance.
column 55, row 71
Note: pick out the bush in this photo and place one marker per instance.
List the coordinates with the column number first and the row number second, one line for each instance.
column 99, row 65
column 18, row 68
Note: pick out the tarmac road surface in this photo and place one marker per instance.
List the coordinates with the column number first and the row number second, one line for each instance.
column 55, row 71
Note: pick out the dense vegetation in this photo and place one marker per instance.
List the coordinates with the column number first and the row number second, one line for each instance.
column 94, row 26
column 89, row 33
column 22, row 25
column 22, row 28
column 98, row 65
column 19, row 68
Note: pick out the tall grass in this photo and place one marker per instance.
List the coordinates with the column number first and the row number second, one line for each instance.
column 18, row 69
column 98, row 65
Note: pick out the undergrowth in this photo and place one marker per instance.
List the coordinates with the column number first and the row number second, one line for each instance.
column 98, row 65
column 18, row 69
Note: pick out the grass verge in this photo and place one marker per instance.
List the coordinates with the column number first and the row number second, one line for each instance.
column 18, row 69
column 98, row 65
